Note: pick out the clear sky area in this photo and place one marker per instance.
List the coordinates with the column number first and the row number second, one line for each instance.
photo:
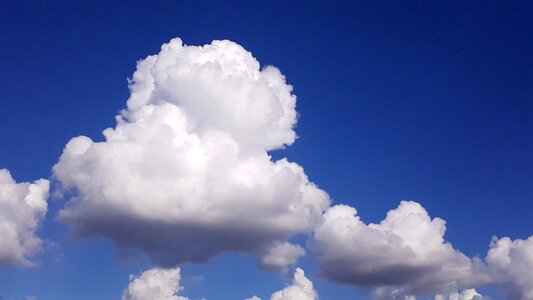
column 322, row 149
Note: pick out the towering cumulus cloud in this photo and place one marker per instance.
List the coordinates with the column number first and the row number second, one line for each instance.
column 185, row 174
column 403, row 255
column 22, row 207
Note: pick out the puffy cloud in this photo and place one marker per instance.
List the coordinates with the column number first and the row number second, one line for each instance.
column 468, row 294
column 511, row 263
column 185, row 174
column 300, row 289
column 281, row 255
column 154, row 284
column 405, row 254
column 220, row 87
column 22, row 208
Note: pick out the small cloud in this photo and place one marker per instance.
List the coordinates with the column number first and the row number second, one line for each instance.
column 281, row 255
column 301, row 288
column 196, row 279
column 155, row 284
column 22, row 209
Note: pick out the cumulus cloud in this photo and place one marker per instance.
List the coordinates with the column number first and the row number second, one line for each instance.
column 300, row 289
column 281, row 255
column 185, row 174
column 155, row 284
column 511, row 263
column 405, row 254
column 22, row 208
column 468, row 294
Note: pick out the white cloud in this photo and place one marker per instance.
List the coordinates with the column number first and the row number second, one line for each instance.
column 22, row 208
column 155, row 284
column 281, row 255
column 300, row 289
column 164, row 284
column 403, row 255
column 468, row 294
column 512, row 265
column 221, row 87
column 185, row 174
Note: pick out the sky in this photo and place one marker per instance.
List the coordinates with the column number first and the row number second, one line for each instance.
column 407, row 129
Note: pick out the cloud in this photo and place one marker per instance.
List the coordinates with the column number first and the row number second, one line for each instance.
column 468, row 294
column 403, row 255
column 511, row 263
column 22, row 208
column 154, row 284
column 185, row 174
column 300, row 289
column 281, row 255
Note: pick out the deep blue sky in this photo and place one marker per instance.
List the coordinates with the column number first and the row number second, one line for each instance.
column 417, row 100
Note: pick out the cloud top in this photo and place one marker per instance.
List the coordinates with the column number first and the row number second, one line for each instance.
column 221, row 87
column 155, row 284
column 301, row 288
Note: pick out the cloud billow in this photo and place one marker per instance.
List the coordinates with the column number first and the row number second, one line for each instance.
column 185, row 174
column 23, row 207
column 511, row 263
column 403, row 255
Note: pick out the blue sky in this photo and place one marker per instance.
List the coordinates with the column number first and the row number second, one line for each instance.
column 419, row 101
